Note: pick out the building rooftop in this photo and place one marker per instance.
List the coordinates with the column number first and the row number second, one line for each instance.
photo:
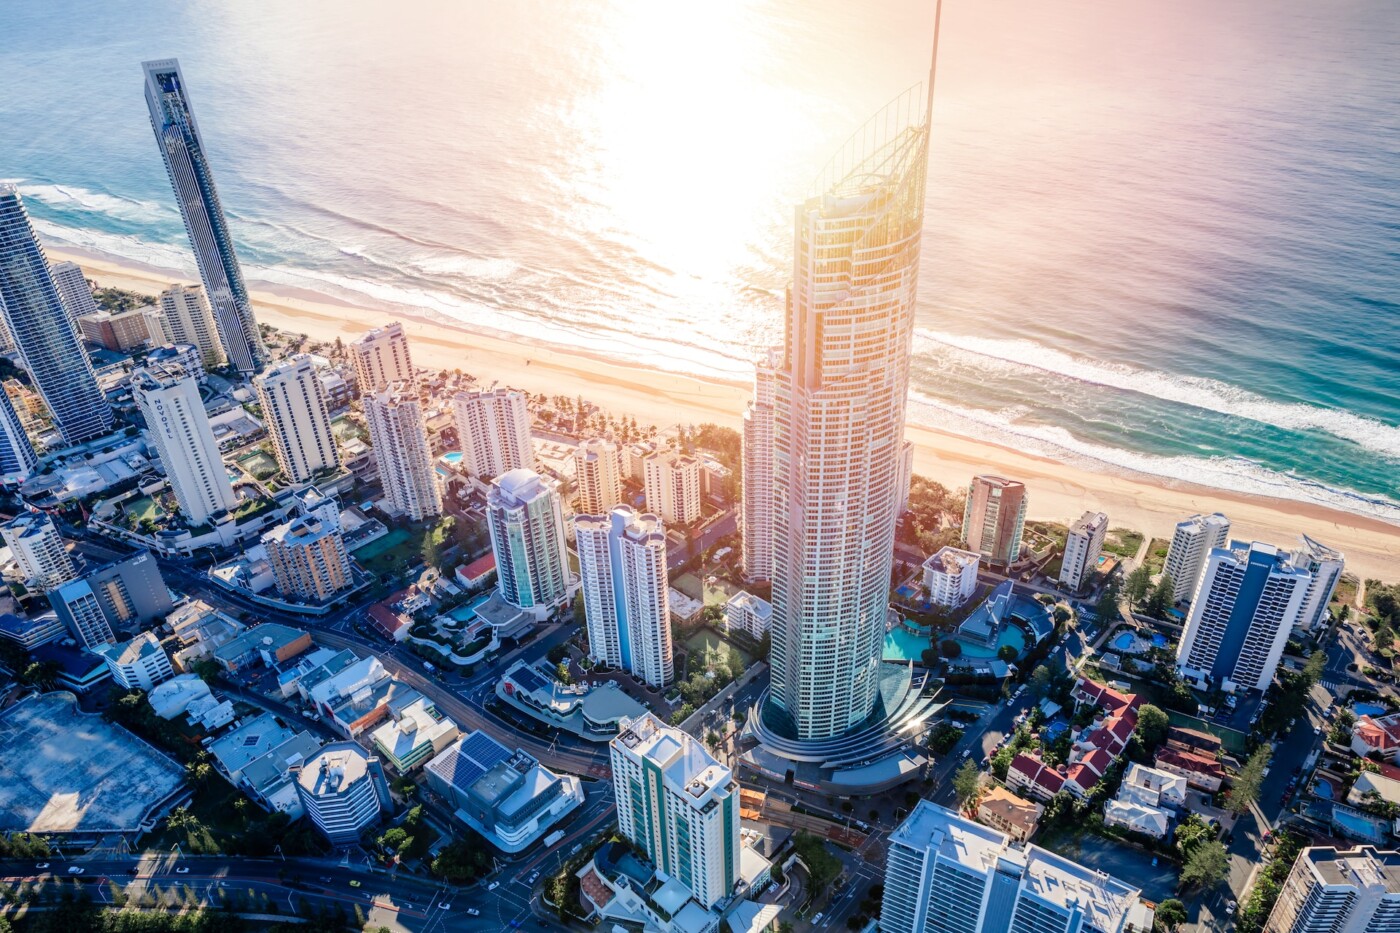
column 142, row 646
column 463, row 762
column 1364, row 867
column 299, row 532
column 951, row 560
column 270, row 636
column 1088, row 523
column 333, row 768
column 235, row 749
column 683, row 760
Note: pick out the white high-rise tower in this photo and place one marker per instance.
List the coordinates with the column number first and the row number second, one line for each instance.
column 626, row 592
column 598, row 476
column 178, row 426
column 494, row 431
column 758, row 470
column 401, row 451
column 185, row 317
column 294, row 408
column 1191, row 545
column 381, row 358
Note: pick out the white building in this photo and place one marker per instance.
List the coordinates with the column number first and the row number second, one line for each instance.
column 622, row 566
column 678, row 805
column 73, row 290
column 950, row 576
column 947, row 874
column 402, row 453
column 758, row 470
column 294, row 409
column 38, row 550
column 598, row 476
column 184, row 355
column 1191, row 545
column 185, row 317
column 18, row 461
column 1249, row 599
column 381, row 358
column 342, row 790
column 1326, row 565
column 745, row 612
column 1082, row 548
column 138, row 664
column 493, row 429
column 672, row 483
column 525, row 515
column 177, row 426
column 1332, row 891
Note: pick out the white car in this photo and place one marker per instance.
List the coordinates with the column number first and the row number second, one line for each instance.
column 493, row 886
column 473, row 912
column 182, row 870
column 42, row 865
column 75, row 870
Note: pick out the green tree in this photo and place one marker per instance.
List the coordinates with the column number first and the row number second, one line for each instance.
column 1250, row 780
column 1152, row 726
column 967, row 780
column 1042, row 679
column 1171, row 914
column 1106, row 609
column 1312, row 670
column 1138, row 584
column 822, row 866
column 1205, row 866
column 1160, row 599
column 1192, row 832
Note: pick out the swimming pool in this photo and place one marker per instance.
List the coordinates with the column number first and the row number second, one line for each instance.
column 903, row 645
column 453, row 457
column 1368, row 709
column 1123, row 641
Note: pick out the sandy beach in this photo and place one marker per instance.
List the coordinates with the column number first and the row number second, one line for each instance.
column 1058, row 492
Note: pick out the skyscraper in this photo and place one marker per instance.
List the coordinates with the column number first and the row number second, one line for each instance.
column 839, row 409
column 185, row 317
column 677, row 804
column 401, row 451
column 17, row 458
column 598, row 474
column 626, row 592
column 525, row 515
column 381, row 358
column 672, row 483
column 493, row 428
column 38, row 550
column 994, row 518
column 1326, row 565
column 758, row 470
column 73, row 290
column 1082, row 547
column 294, row 409
column 1353, row 891
column 42, row 331
column 178, row 426
column 177, row 135
column 1250, row 598
column 1191, row 545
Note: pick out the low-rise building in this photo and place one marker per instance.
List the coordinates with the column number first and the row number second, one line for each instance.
column 197, row 629
column 1200, row 771
column 1377, row 736
column 1016, row 816
column 257, row 756
column 138, row 664
column 31, row 633
column 747, row 613
column 617, row 886
column 79, row 670
column 416, row 733
column 1027, row 773
column 174, row 696
column 950, row 576
column 342, row 791
column 1137, row 818
column 271, row 643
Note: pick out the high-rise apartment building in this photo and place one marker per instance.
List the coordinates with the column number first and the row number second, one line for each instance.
column 178, row 427
column 493, row 429
column 947, row 874
column 1332, row 891
column 401, row 451
column 381, row 358
column 185, row 317
column 129, row 590
column 679, row 805
column 308, row 559
column 73, row 290
column 598, row 476
column 672, row 483
column 184, row 355
column 118, row 331
column 342, row 790
column 994, row 519
column 1326, row 565
column 44, row 335
column 18, row 461
column 525, row 515
column 1082, row 548
column 622, row 565
column 757, row 512
column 38, row 550
column 82, row 612
column 187, row 164
column 296, row 414
column 1249, row 599
column 1191, row 545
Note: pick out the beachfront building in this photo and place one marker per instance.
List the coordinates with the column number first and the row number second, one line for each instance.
column 1192, row 542
column 672, row 483
column 178, row 427
column 1326, row 565
column 39, row 550
column 994, row 519
column 187, row 165
column 185, row 317
column 118, row 331
column 402, row 453
column 598, row 476
column 525, row 515
column 950, row 576
column 73, row 290
column 44, row 335
column 679, row 805
column 18, row 461
column 493, row 429
column 1339, row 891
column 757, row 514
column 138, row 664
column 1082, row 548
column 342, row 791
column 947, row 874
column 747, row 613
column 294, row 409
column 308, row 559
column 1250, row 597
column 622, row 565
column 381, row 358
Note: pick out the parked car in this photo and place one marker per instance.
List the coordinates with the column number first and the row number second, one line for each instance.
column 75, row 870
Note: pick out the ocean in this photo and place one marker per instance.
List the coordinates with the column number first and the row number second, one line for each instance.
column 1161, row 239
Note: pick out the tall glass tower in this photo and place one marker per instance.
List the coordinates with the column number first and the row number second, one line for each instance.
column 177, row 134
column 43, row 332
column 839, row 422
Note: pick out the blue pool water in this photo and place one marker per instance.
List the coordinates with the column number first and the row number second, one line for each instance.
column 903, row 645
column 1159, row 641
column 453, row 457
column 1322, row 789
column 1368, row 709
column 1122, row 641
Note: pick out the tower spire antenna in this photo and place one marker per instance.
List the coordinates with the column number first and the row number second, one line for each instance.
column 933, row 63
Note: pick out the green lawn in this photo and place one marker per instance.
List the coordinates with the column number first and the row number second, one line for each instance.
column 1124, row 542
column 142, row 508
column 346, row 429
column 705, row 638
column 1157, row 554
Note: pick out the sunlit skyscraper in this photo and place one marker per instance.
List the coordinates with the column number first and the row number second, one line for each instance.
column 758, row 470
column 839, row 409
column 177, row 134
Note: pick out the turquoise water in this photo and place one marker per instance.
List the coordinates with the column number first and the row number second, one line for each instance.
column 903, row 645
column 1148, row 245
column 1122, row 641
column 452, row 456
column 467, row 611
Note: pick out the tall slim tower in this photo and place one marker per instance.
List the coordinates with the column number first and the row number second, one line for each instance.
column 178, row 426
column 381, row 358
column 493, row 429
column 839, row 413
column 598, row 476
column 17, row 458
column 525, row 515
column 185, row 317
column 626, row 592
column 294, row 408
column 401, row 451
column 43, row 333
column 1191, row 545
column 74, row 290
column 758, row 470
column 177, row 134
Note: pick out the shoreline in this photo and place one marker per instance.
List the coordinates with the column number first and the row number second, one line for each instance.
column 1058, row 492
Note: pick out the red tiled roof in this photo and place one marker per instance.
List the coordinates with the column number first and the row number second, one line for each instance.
column 1089, row 691
column 1038, row 773
column 594, row 889
column 1083, row 775
column 1098, row 760
column 478, row 568
column 386, row 620
column 1189, row 761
